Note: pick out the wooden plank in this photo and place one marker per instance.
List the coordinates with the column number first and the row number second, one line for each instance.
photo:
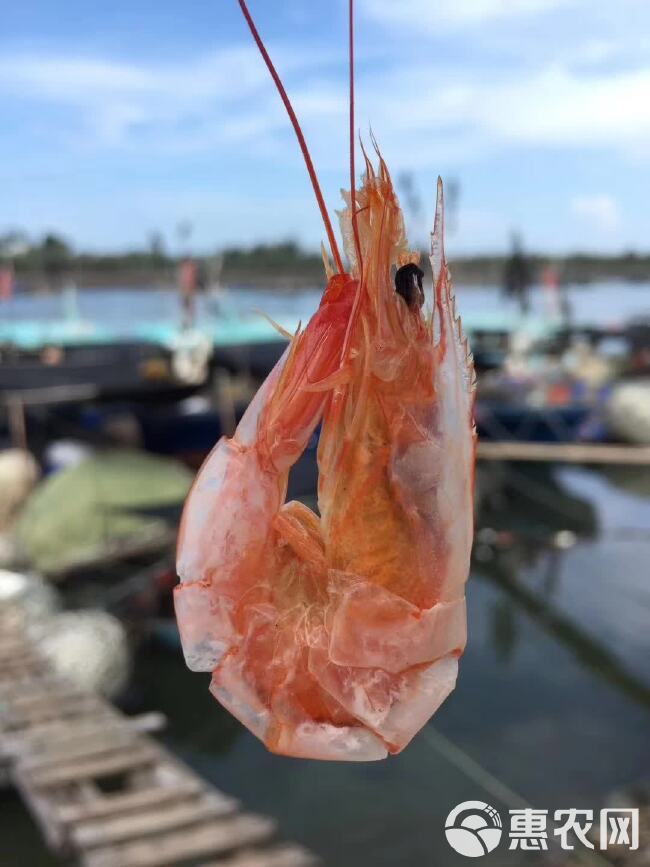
column 168, row 817
column 71, row 772
column 44, row 683
column 51, row 394
column 63, row 741
column 58, row 738
column 29, row 738
column 151, row 721
column 39, row 803
column 126, row 802
column 31, row 699
column 579, row 453
column 55, row 737
column 15, row 716
column 22, row 718
column 288, row 855
column 79, row 748
column 204, row 841
column 27, row 698
column 14, row 645
column 28, row 662
column 8, row 676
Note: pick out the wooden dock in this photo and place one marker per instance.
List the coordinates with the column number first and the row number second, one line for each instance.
column 105, row 793
column 578, row 453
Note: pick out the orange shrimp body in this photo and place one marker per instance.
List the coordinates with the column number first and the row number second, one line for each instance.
column 338, row 637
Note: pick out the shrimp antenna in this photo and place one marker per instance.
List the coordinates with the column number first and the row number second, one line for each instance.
column 353, row 191
column 299, row 134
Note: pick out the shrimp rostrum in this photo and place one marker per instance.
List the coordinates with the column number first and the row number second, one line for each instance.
column 337, row 636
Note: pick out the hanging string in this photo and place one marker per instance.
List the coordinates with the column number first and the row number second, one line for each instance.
column 353, row 198
column 299, row 135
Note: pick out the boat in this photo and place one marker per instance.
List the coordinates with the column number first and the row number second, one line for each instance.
column 160, row 357
column 188, row 432
column 569, row 423
column 56, row 372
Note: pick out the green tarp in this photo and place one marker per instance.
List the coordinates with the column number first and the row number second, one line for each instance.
column 112, row 502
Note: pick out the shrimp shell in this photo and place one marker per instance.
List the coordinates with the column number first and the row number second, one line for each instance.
column 338, row 636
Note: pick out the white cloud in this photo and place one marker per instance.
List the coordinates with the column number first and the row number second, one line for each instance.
column 430, row 15
column 425, row 111
column 600, row 210
column 557, row 106
column 460, row 87
column 223, row 96
column 596, row 50
column 229, row 73
column 422, row 111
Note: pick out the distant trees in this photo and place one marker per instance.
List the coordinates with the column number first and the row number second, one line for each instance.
column 12, row 244
column 55, row 258
column 272, row 259
column 156, row 243
column 51, row 260
column 157, row 247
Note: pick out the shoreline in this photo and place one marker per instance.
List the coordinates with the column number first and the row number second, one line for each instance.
column 466, row 274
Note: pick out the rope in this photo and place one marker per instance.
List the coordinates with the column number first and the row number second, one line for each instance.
column 496, row 788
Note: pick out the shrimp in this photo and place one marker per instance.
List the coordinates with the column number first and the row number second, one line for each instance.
column 337, row 636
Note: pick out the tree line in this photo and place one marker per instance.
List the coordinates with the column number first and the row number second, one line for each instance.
column 53, row 260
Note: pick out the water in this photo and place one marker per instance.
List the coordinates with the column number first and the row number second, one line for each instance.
column 553, row 698
column 610, row 303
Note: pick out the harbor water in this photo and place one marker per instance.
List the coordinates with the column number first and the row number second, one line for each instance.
column 602, row 304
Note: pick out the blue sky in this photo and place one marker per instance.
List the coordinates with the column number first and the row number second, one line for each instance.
column 118, row 119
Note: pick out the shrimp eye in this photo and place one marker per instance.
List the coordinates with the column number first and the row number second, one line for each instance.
column 408, row 284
